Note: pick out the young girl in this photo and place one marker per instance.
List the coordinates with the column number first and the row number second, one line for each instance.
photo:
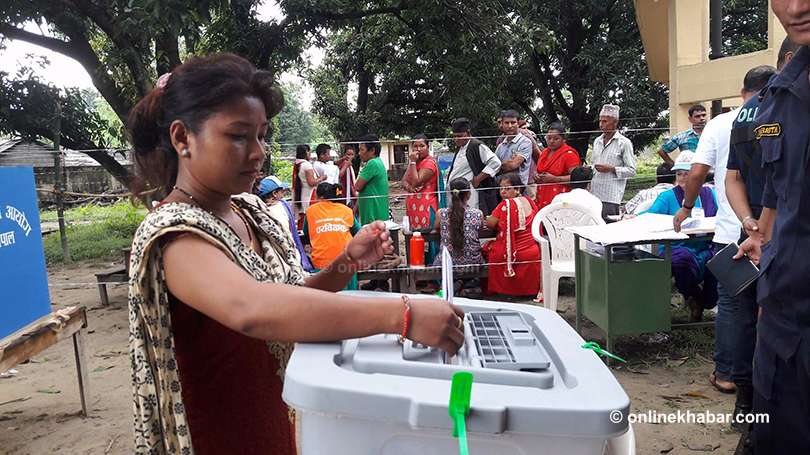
column 329, row 225
column 459, row 225
column 215, row 280
column 514, row 255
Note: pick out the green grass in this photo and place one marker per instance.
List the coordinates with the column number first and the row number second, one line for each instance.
column 93, row 212
column 97, row 232
column 646, row 162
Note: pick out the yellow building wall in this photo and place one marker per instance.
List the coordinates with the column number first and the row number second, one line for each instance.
column 675, row 34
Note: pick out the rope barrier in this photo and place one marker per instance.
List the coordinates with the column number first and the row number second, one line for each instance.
column 398, row 269
column 623, row 131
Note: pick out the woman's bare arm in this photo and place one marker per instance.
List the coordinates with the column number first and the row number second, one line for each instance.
column 280, row 312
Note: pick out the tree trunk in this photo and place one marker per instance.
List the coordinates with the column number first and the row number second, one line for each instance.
column 167, row 52
column 363, row 83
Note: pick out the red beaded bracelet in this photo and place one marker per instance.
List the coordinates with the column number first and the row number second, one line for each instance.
column 406, row 319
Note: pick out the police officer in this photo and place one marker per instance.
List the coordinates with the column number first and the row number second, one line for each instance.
column 745, row 181
column 782, row 359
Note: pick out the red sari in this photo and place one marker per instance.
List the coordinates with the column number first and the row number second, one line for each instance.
column 514, row 255
column 422, row 207
column 557, row 164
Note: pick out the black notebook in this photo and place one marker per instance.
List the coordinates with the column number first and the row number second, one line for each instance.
column 734, row 275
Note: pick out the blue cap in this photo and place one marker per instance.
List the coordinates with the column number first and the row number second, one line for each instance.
column 270, row 184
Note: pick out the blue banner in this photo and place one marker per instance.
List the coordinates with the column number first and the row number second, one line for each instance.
column 23, row 277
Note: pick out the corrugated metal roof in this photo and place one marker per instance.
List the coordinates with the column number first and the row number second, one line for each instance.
column 15, row 152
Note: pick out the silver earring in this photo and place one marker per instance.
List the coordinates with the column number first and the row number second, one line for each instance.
column 185, row 153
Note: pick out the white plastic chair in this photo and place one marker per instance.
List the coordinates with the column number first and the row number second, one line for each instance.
column 644, row 206
column 557, row 252
column 622, row 445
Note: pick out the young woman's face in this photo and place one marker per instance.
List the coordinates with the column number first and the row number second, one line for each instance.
column 420, row 147
column 228, row 151
column 349, row 153
column 681, row 177
column 508, row 191
column 554, row 139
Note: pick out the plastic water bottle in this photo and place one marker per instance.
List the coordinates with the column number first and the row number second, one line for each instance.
column 417, row 247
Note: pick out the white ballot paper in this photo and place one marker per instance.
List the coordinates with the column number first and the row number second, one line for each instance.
column 447, row 275
column 447, row 291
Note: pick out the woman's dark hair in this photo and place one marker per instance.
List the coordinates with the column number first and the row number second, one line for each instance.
column 372, row 142
column 356, row 161
column 193, row 92
column 329, row 191
column 664, row 174
column 514, row 180
column 557, row 126
column 459, row 194
column 581, row 177
column 302, row 152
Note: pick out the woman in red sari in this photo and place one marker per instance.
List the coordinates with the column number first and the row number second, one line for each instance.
column 514, row 255
column 554, row 166
column 420, row 182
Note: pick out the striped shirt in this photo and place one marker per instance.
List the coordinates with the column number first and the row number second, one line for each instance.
column 685, row 140
column 618, row 152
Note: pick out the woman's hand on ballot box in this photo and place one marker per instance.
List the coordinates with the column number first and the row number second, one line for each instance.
column 436, row 323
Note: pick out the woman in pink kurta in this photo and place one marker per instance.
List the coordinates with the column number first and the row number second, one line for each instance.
column 420, row 181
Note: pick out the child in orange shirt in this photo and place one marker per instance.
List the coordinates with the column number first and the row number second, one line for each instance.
column 329, row 225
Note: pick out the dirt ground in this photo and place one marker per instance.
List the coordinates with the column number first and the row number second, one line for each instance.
column 45, row 419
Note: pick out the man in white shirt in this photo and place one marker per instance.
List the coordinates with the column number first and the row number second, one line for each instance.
column 613, row 160
column 324, row 165
column 472, row 172
column 580, row 180
column 712, row 152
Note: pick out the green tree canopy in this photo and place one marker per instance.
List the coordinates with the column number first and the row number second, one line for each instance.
column 33, row 110
column 417, row 69
column 297, row 125
column 125, row 44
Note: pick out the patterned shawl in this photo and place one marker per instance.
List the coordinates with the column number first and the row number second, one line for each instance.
column 524, row 210
column 160, row 421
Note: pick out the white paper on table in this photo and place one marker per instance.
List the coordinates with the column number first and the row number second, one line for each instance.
column 699, row 225
column 447, row 275
column 647, row 227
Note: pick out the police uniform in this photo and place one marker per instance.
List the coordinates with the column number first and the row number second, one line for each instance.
column 746, row 158
column 782, row 358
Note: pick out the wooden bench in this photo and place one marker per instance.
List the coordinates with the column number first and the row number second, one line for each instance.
column 398, row 277
column 434, row 273
column 113, row 275
column 431, row 273
column 44, row 333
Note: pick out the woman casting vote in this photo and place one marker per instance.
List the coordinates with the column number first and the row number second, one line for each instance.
column 217, row 293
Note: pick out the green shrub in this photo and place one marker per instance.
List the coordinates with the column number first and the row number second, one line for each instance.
column 95, row 232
